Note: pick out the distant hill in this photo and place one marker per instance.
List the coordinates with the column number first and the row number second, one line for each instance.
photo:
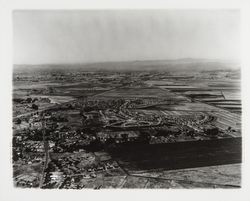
column 186, row 64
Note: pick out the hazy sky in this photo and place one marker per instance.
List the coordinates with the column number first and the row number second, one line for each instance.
column 120, row 35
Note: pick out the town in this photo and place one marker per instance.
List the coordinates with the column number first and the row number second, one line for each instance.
column 76, row 128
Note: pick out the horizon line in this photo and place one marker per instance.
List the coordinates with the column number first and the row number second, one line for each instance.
column 115, row 61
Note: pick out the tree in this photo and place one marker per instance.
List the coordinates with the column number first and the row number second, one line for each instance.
column 18, row 121
column 28, row 100
column 34, row 100
column 34, row 107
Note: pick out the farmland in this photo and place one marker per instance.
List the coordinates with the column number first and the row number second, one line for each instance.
column 77, row 128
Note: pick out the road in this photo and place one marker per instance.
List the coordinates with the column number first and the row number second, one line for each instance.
column 46, row 157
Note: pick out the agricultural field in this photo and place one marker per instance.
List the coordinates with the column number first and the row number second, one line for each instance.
column 138, row 92
column 126, row 129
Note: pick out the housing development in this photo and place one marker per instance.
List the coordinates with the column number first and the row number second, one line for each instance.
column 142, row 124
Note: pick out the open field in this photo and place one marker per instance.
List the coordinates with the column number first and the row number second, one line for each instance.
column 179, row 155
column 149, row 92
column 221, row 174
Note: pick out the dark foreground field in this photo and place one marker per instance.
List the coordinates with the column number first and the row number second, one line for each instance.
column 179, row 155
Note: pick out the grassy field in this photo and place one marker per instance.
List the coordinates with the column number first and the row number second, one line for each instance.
column 179, row 155
column 148, row 92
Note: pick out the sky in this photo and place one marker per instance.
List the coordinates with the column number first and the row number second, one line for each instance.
column 85, row 36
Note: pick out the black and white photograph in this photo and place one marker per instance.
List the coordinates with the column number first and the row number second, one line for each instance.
column 134, row 99
column 124, row 100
